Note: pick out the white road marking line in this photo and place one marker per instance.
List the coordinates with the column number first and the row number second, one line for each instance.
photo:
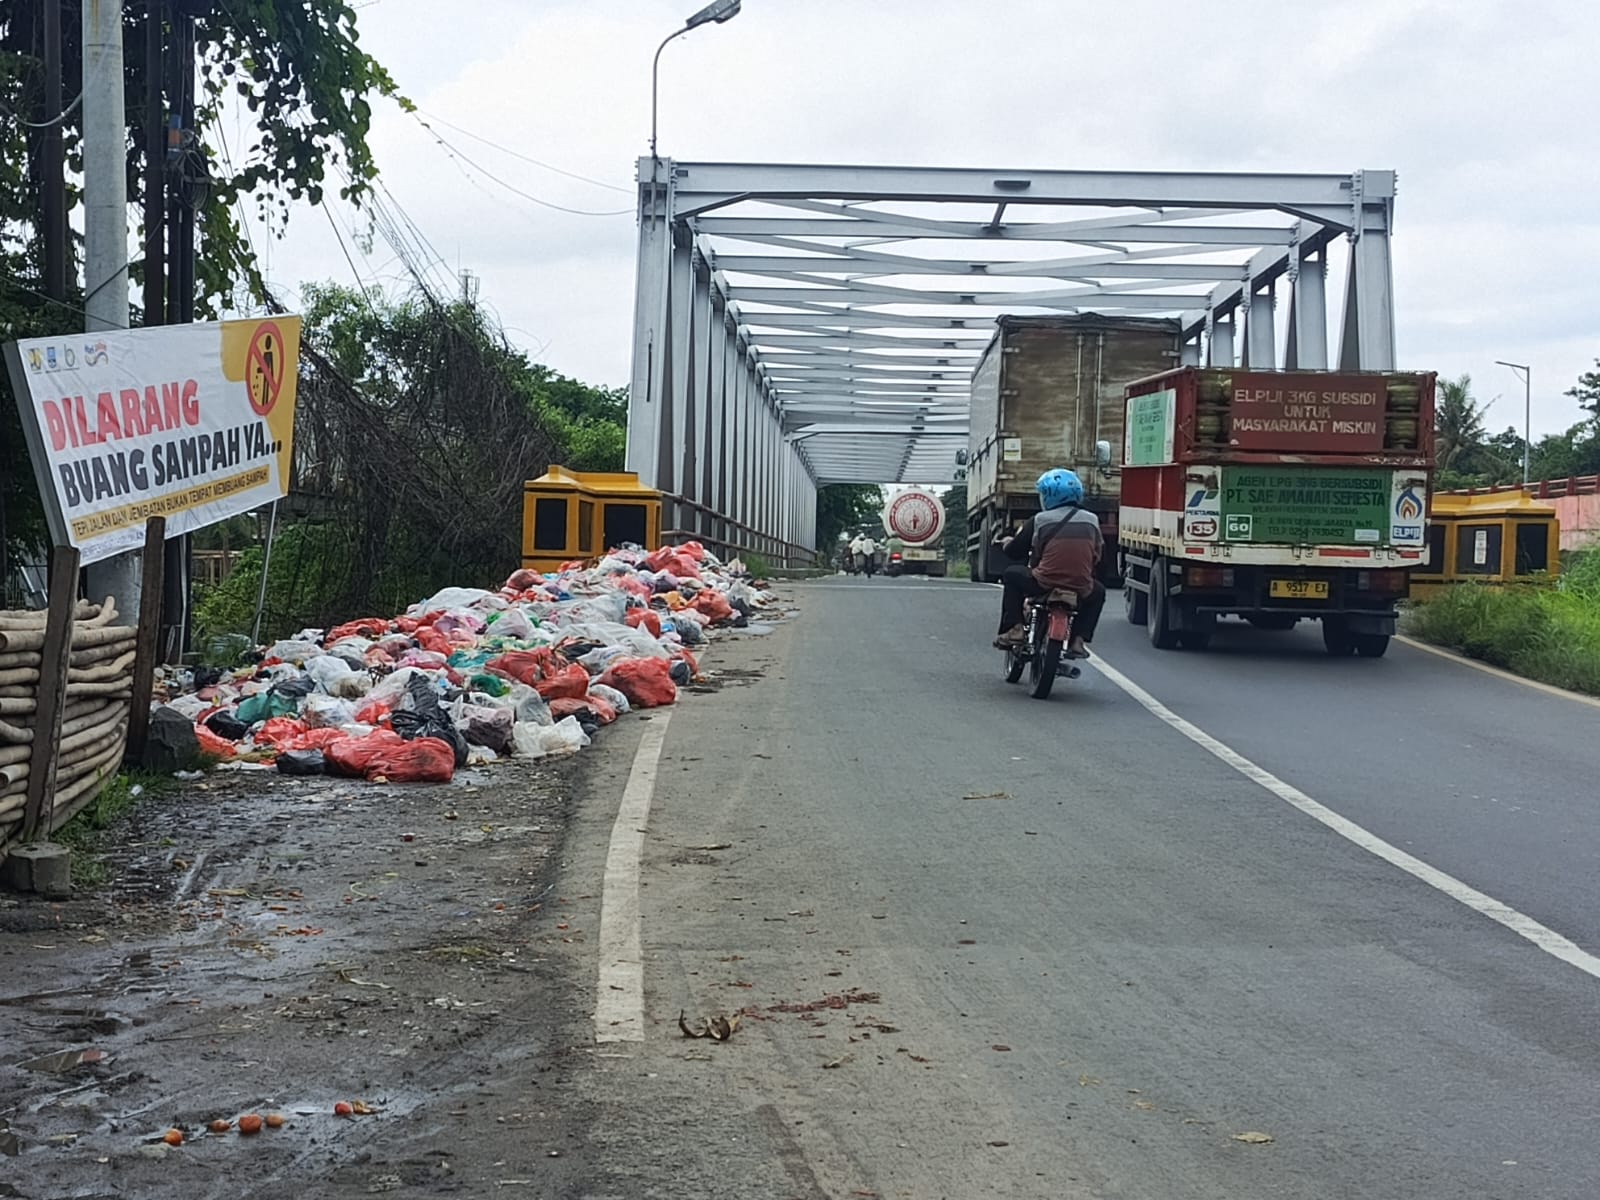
column 1462, row 661
column 619, row 992
column 1524, row 926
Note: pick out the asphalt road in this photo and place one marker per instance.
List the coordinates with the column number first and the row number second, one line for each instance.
column 1091, row 980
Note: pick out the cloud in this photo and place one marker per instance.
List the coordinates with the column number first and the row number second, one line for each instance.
column 1485, row 109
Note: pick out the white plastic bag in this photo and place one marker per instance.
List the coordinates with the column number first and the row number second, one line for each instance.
column 326, row 712
column 513, row 623
column 337, row 677
column 611, row 696
column 530, row 707
column 190, row 706
column 540, row 741
column 292, row 651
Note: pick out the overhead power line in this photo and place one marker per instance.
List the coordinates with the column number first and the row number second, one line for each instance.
column 478, row 137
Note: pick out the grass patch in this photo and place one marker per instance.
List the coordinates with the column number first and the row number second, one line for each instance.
column 84, row 832
column 1549, row 631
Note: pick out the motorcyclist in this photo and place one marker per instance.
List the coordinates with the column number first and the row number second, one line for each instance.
column 1058, row 547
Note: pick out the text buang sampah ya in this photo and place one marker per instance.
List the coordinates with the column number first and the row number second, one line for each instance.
column 140, row 417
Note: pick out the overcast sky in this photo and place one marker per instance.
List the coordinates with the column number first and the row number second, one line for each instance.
column 1488, row 110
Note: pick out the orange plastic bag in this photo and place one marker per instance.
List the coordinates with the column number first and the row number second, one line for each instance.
column 315, row 739
column 646, row 682
column 422, row 760
column 643, row 616
column 350, row 755
column 279, row 731
column 214, row 744
column 526, row 666
column 714, row 605
column 571, row 683
column 367, row 627
column 373, row 712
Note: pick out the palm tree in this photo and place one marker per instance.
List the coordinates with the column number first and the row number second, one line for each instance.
column 1458, row 425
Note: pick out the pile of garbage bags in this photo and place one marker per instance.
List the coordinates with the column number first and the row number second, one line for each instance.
column 469, row 676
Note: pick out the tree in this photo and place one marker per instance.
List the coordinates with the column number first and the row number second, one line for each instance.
column 842, row 505
column 955, row 522
column 1587, row 391
column 295, row 64
column 1458, row 426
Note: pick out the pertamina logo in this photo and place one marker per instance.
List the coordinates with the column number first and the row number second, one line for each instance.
column 1408, row 507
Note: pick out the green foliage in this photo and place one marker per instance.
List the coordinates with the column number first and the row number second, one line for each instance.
column 955, row 525
column 841, row 506
column 1545, row 631
column 1461, row 441
column 1587, row 391
column 83, row 834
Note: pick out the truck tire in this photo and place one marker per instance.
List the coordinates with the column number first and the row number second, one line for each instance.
column 1371, row 645
column 1162, row 635
column 1135, row 603
column 1337, row 639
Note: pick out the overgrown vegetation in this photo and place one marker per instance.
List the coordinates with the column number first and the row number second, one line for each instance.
column 1470, row 456
column 416, row 426
column 841, row 506
column 1549, row 631
column 85, row 833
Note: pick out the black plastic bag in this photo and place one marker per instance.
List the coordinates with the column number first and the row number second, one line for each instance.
column 425, row 718
column 205, row 677
column 297, row 688
column 225, row 725
column 302, row 762
column 680, row 673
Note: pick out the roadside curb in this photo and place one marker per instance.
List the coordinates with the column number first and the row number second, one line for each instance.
column 1500, row 672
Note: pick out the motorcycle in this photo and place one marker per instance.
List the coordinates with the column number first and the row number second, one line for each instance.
column 1048, row 622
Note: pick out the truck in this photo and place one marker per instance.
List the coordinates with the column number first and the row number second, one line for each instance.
column 1048, row 391
column 1276, row 496
column 914, row 520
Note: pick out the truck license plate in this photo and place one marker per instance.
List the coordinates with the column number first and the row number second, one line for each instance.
column 1299, row 589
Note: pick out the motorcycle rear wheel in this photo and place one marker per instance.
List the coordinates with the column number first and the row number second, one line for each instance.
column 1043, row 668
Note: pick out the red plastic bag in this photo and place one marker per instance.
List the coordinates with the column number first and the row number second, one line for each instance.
column 668, row 559
column 373, row 712
column 522, row 580
column 367, row 627
column 526, row 666
column 430, row 638
column 643, row 616
column 693, row 550
column 714, row 605
column 350, row 756
column 279, row 731
column 646, row 682
column 422, row 760
column 570, row 706
column 214, row 744
column 315, row 739
column 571, row 683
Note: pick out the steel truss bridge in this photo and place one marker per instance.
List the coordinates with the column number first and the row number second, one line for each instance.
column 797, row 326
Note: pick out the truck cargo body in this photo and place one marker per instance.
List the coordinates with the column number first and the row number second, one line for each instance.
column 1045, row 393
column 1275, row 496
column 914, row 520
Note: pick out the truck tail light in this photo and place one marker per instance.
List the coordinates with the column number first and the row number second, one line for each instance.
column 895, row 557
column 1388, row 583
column 1208, row 577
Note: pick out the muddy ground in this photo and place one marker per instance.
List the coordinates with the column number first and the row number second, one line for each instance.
column 276, row 945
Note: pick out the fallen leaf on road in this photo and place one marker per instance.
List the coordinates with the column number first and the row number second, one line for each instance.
column 999, row 1047
column 999, row 1143
column 227, row 892
column 836, row 1063
column 986, row 796
column 1253, row 1138
column 1088, row 1081
column 1143, row 1105
column 351, row 979
column 714, row 846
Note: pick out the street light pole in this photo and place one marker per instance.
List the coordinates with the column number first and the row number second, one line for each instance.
column 1526, row 372
column 716, row 12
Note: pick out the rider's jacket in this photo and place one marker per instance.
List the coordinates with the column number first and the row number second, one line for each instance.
column 1063, row 546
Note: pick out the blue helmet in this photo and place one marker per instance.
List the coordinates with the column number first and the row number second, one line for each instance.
column 1058, row 487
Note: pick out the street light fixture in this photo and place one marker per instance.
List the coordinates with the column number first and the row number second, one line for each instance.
column 1526, row 372
column 716, row 13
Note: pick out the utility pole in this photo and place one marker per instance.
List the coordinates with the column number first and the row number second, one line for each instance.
column 186, row 189
column 52, row 161
column 155, row 153
column 105, row 230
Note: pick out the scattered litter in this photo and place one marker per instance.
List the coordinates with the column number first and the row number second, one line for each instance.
column 1253, row 1137
column 718, row 1028
column 469, row 676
